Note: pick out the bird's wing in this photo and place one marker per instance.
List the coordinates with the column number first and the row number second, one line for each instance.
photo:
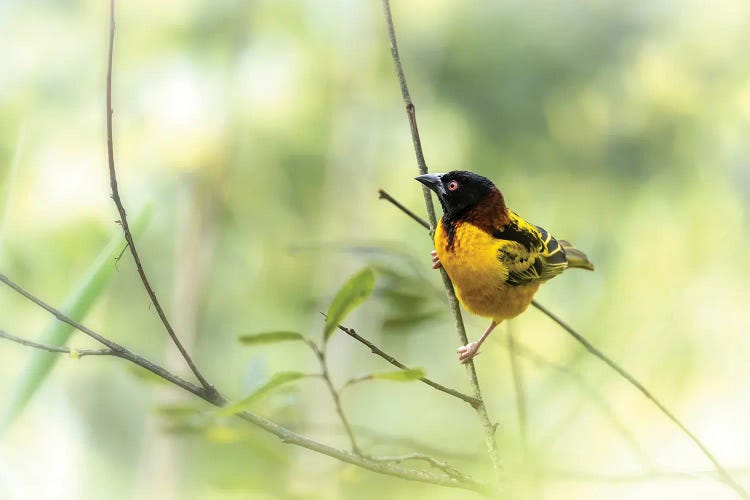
column 530, row 253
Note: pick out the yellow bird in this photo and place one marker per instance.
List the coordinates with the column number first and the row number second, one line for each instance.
column 495, row 259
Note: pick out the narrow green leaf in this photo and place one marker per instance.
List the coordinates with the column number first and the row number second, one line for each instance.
column 400, row 375
column 351, row 295
column 79, row 302
column 269, row 337
column 245, row 403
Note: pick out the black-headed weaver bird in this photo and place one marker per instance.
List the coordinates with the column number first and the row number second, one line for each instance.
column 495, row 259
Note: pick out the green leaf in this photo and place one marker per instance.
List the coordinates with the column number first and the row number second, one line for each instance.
column 269, row 337
column 351, row 295
column 88, row 289
column 407, row 375
column 245, row 403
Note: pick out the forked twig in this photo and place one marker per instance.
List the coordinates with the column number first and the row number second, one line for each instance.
column 124, row 218
column 376, row 350
column 216, row 399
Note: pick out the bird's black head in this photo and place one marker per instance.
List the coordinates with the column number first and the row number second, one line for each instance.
column 459, row 191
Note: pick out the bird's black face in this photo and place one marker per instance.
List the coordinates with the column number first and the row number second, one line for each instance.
column 459, row 190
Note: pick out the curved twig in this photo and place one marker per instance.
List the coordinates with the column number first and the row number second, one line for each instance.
column 124, row 218
column 216, row 399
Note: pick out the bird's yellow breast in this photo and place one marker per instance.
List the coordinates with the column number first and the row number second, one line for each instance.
column 478, row 275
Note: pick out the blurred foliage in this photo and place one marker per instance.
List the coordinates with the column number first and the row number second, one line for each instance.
column 261, row 132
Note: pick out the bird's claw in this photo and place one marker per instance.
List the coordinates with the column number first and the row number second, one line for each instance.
column 435, row 260
column 467, row 352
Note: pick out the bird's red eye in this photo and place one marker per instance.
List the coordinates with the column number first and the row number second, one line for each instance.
column 452, row 185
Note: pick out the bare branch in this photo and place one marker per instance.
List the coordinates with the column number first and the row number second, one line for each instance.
column 438, row 464
column 215, row 398
column 487, row 425
column 79, row 353
column 723, row 474
column 385, row 196
column 376, row 350
column 124, row 218
column 118, row 350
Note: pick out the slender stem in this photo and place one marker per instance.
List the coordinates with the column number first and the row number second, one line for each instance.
column 723, row 474
column 80, row 353
column 124, row 218
column 365, row 462
column 385, row 196
column 321, row 355
column 376, row 350
column 438, row 464
column 487, row 425
column 215, row 398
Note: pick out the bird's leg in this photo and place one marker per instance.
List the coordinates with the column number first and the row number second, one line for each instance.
column 435, row 260
column 465, row 353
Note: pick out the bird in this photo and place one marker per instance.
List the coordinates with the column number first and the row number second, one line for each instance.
column 494, row 258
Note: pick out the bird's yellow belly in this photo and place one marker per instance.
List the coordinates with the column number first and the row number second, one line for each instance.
column 478, row 276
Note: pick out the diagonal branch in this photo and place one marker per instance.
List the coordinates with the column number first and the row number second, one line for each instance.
column 215, row 398
column 376, row 350
column 124, row 218
column 438, row 464
column 487, row 425
column 722, row 473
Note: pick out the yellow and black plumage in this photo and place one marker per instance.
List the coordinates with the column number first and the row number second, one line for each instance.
column 495, row 259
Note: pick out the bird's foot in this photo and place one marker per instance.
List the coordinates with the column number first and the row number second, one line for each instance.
column 467, row 352
column 435, row 260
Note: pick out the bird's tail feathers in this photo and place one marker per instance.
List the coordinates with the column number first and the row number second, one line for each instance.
column 575, row 257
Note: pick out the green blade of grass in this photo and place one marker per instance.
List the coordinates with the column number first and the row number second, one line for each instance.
column 88, row 289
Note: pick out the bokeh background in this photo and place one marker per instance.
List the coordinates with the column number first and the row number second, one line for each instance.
column 259, row 133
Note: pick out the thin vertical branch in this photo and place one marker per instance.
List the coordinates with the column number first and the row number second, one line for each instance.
column 124, row 218
column 487, row 425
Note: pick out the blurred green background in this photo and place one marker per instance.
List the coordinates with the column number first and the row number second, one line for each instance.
column 260, row 132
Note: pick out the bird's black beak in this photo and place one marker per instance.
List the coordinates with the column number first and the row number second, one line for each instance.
column 433, row 181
